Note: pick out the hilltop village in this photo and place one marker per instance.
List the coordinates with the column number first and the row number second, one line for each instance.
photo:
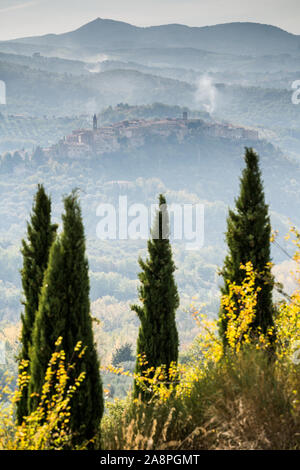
column 135, row 133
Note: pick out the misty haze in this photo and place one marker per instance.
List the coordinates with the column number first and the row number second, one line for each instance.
column 112, row 109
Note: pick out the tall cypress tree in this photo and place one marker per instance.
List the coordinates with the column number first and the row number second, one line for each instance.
column 35, row 251
column 65, row 311
column 157, row 337
column 248, row 239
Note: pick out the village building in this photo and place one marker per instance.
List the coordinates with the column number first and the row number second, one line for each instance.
column 134, row 133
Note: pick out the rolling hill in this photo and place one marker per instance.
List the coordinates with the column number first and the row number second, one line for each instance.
column 235, row 38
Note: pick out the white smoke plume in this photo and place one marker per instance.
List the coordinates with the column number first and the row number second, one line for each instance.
column 95, row 68
column 206, row 93
column 94, row 63
column 2, row 92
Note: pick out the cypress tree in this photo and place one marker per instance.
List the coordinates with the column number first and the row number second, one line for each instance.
column 65, row 311
column 35, row 251
column 157, row 337
column 248, row 239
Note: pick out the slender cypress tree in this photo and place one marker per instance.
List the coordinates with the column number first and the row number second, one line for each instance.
column 248, row 239
column 65, row 311
column 158, row 337
column 35, row 251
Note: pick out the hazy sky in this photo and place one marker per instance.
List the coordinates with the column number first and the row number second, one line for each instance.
column 34, row 17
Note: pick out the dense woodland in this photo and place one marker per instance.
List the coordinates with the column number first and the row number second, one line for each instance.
column 173, row 399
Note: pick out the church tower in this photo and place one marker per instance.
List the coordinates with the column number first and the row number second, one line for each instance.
column 95, row 124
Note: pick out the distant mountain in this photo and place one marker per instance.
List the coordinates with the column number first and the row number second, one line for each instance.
column 234, row 38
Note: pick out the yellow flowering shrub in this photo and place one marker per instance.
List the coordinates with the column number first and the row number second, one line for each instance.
column 287, row 321
column 48, row 426
column 237, row 400
column 240, row 308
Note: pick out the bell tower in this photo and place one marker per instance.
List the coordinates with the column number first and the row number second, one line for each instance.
column 95, row 122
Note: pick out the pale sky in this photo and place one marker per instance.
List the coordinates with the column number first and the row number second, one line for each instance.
column 19, row 18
